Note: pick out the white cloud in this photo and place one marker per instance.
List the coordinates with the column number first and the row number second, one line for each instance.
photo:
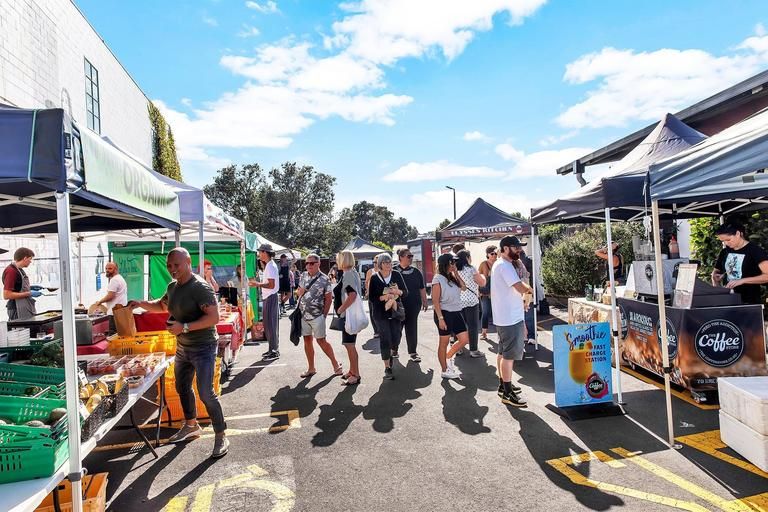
column 644, row 86
column 209, row 20
column 760, row 30
column 507, row 152
column 268, row 7
column 186, row 102
column 538, row 164
column 476, row 136
column 440, row 170
column 248, row 31
column 384, row 32
column 553, row 140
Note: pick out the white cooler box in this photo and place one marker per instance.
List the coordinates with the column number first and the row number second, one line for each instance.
column 745, row 399
column 745, row 441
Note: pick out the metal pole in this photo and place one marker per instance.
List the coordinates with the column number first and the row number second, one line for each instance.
column 662, row 321
column 454, row 204
column 614, row 316
column 70, row 349
column 534, row 281
column 80, row 270
column 177, row 238
column 244, row 290
column 201, row 246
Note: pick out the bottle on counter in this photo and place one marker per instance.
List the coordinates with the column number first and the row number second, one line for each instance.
column 674, row 249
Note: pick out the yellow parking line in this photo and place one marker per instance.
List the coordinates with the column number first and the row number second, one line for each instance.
column 710, row 443
column 660, row 385
column 757, row 503
column 177, row 504
column 203, row 498
column 729, row 506
column 574, row 476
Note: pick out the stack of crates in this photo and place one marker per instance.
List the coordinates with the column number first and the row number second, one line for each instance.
column 172, row 399
column 142, row 343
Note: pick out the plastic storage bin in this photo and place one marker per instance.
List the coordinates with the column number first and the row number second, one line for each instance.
column 746, row 442
column 94, row 495
column 746, row 400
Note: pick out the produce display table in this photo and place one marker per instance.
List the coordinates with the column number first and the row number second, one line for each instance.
column 231, row 324
column 27, row 495
column 97, row 348
column 583, row 311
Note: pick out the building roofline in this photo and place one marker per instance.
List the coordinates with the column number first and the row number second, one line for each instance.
column 716, row 104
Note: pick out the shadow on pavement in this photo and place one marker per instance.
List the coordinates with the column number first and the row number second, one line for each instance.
column 300, row 397
column 390, row 401
column 372, row 346
column 460, row 407
column 336, row 417
column 244, row 376
column 544, row 444
column 536, row 370
column 135, row 495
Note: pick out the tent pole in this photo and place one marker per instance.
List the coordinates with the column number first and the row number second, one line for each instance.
column 534, row 281
column 70, row 348
column 244, row 290
column 80, row 270
column 663, row 321
column 614, row 316
column 201, row 247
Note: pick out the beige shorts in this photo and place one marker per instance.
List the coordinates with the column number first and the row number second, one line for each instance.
column 314, row 327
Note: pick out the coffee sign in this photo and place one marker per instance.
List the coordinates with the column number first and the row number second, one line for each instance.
column 719, row 343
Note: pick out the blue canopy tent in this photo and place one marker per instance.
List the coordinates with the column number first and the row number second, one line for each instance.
column 56, row 178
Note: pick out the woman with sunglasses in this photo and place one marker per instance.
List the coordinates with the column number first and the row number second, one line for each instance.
column 414, row 302
column 485, row 291
column 384, row 283
column 447, row 286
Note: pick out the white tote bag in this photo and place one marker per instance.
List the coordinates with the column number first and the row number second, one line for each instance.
column 355, row 319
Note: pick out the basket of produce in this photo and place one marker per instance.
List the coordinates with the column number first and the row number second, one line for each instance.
column 34, row 375
column 43, row 416
column 50, row 355
column 22, row 389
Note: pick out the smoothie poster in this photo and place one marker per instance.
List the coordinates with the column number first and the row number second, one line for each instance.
column 582, row 364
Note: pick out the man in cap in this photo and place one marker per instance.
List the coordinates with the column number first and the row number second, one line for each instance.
column 507, row 292
column 271, row 313
column 117, row 292
column 16, row 288
column 193, row 315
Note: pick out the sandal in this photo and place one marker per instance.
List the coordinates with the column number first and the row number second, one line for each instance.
column 307, row 374
column 353, row 380
column 339, row 370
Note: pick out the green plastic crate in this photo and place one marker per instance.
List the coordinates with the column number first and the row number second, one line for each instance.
column 22, row 457
column 20, row 389
column 34, row 375
column 20, row 410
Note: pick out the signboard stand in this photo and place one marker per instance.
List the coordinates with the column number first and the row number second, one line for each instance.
column 582, row 359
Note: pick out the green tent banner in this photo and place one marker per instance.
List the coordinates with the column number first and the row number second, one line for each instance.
column 111, row 173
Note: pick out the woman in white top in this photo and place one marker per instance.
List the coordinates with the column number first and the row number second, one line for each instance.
column 446, row 303
column 470, row 300
column 350, row 290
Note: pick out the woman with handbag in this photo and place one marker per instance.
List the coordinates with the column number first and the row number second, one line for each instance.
column 485, row 291
column 470, row 300
column 384, row 285
column 446, row 303
column 350, row 290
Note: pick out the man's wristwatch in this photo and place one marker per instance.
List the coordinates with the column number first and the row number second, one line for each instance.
column 185, row 328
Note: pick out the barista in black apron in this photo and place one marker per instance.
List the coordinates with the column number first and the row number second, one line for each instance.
column 16, row 288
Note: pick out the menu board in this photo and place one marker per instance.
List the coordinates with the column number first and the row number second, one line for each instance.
column 686, row 280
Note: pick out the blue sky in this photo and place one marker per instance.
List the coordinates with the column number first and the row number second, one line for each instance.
column 398, row 98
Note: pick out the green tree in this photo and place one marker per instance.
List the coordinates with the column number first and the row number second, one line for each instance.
column 382, row 245
column 336, row 235
column 236, row 190
column 297, row 202
column 442, row 225
column 373, row 222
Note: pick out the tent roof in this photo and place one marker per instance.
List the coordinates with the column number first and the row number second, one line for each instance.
column 483, row 220
column 623, row 189
column 726, row 167
column 43, row 152
column 358, row 246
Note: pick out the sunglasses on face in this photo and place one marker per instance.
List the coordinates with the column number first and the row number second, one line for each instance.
column 313, row 262
column 409, row 256
column 492, row 254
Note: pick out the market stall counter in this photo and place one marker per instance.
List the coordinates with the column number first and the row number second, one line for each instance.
column 585, row 311
column 704, row 343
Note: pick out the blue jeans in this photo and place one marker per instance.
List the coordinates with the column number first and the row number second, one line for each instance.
column 529, row 323
column 200, row 363
column 485, row 311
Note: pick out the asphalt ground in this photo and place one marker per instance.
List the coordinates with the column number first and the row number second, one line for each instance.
column 422, row 443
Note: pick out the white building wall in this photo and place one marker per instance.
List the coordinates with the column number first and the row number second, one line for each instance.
column 43, row 44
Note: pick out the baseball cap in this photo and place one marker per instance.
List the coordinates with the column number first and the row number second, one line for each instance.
column 511, row 241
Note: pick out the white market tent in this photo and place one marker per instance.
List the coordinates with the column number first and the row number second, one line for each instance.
column 58, row 179
column 721, row 175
